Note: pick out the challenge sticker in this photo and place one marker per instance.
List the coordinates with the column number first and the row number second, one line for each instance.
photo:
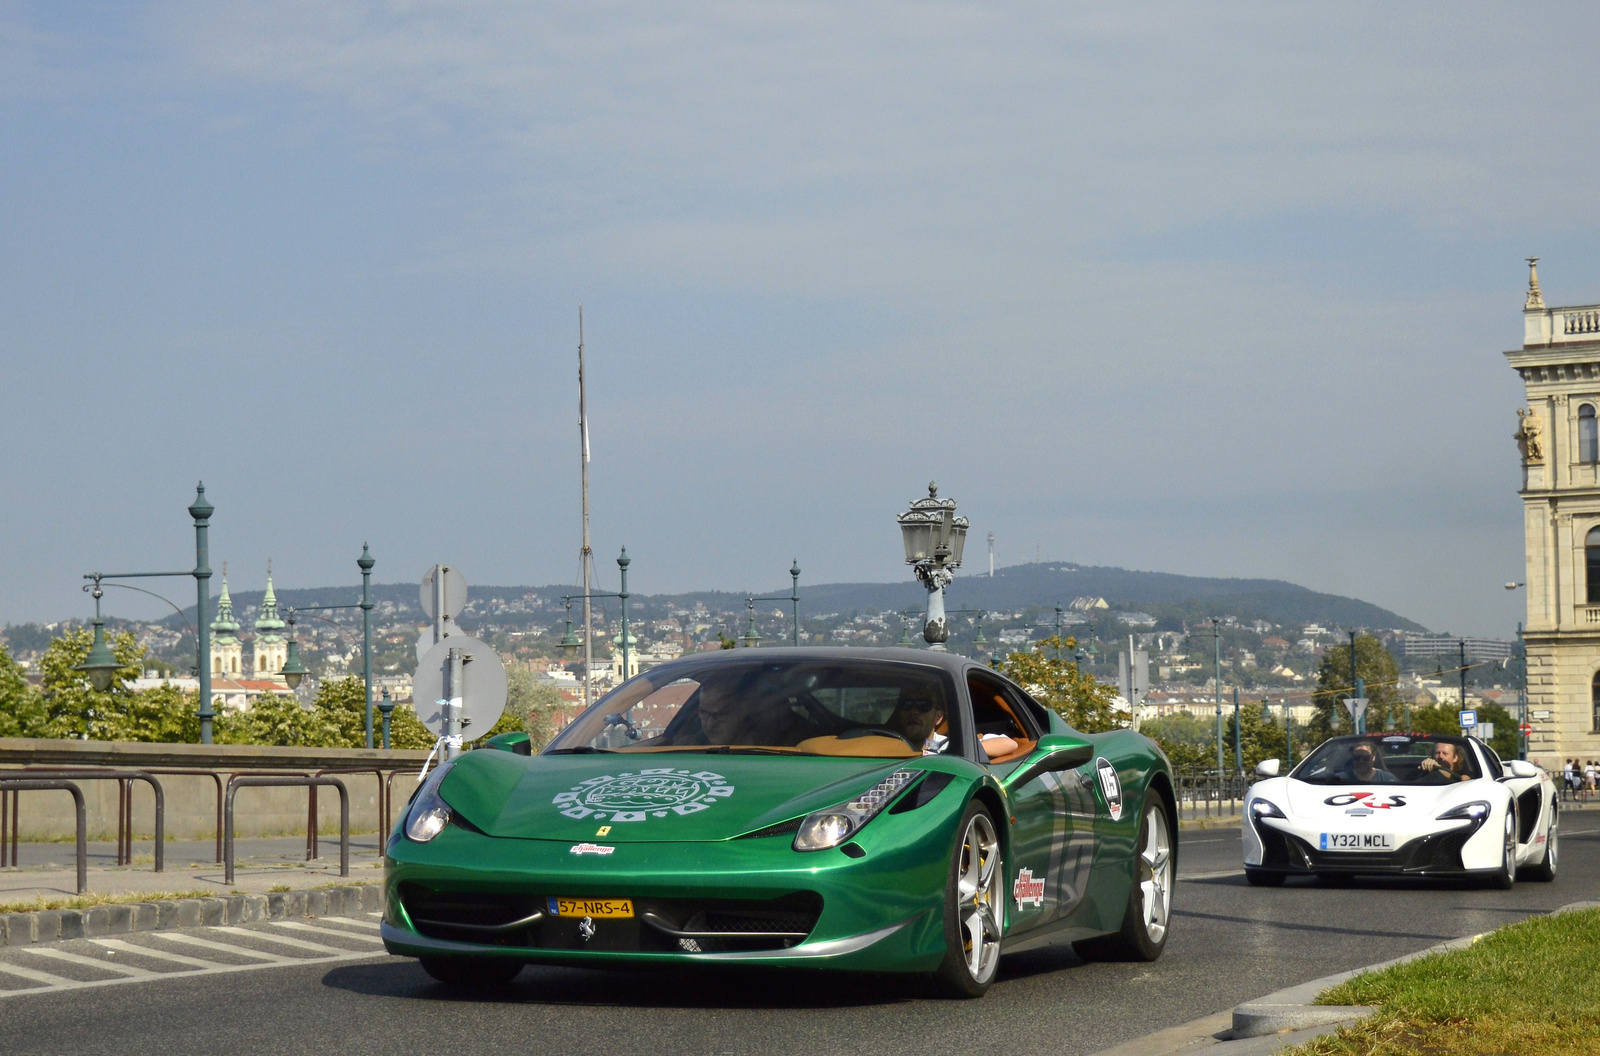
column 629, row 797
column 589, row 848
column 1027, row 889
column 1110, row 786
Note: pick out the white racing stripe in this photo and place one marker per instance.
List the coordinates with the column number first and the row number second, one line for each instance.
column 219, row 942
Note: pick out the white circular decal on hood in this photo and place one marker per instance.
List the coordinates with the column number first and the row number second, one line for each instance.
column 1110, row 786
column 630, row 796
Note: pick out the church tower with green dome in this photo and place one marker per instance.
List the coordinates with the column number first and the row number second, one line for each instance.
column 271, row 649
column 227, row 653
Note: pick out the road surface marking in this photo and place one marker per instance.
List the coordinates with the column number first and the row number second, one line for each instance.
column 327, row 931
column 374, row 925
column 35, row 976
column 283, row 940
column 222, row 947
column 91, row 962
column 155, row 954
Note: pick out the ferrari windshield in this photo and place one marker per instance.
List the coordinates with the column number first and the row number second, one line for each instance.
column 1387, row 758
column 815, row 707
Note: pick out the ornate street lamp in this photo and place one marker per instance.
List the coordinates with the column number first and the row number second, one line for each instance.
column 101, row 664
column 294, row 672
column 569, row 641
column 934, row 538
column 750, row 639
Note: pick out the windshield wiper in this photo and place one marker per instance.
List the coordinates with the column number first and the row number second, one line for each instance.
column 580, row 750
column 728, row 749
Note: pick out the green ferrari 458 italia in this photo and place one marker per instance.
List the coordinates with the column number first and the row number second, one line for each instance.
column 885, row 810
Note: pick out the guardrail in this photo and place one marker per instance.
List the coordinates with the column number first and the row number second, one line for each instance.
column 125, row 780
column 383, row 801
column 287, row 781
column 181, row 771
column 1204, row 794
column 16, row 786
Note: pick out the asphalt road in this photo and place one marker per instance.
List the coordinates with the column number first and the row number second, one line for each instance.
column 1230, row 943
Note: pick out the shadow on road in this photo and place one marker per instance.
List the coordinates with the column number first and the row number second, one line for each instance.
column 688, row 986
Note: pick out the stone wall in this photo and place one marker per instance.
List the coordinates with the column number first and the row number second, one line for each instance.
column 191, row 801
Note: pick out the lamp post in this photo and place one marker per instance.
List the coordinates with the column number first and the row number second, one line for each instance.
column 934, row 538
column 750, row 637
column 101, row 663
column 294, row 671
column 386, row 706
column 200, row 510
column 570, row 643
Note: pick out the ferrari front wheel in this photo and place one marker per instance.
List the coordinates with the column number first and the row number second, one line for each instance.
column 973, row 904
column 1145, row 923
column 472, row 971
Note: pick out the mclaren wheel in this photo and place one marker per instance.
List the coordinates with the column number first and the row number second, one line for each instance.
column 472, row 971
column 1263, row 877
column 1145, row 923
column 973, row 906
column 1506, row 876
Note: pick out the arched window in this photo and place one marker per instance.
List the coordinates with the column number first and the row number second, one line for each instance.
column 1591, row 563
column 1588, row 435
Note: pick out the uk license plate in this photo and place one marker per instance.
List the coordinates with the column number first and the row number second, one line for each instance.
column 592, row 907
column 1358, row 841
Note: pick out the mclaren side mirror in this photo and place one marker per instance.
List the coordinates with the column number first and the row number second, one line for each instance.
column 1054, row 752
column 1521, row 768
column 1269, row 767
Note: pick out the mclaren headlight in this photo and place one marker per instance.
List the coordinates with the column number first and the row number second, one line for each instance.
column 1477, row 810
column 1264, row 808
column 428, row 813
column 831, row 827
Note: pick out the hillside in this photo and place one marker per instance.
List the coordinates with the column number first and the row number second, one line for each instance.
column 1014, row 588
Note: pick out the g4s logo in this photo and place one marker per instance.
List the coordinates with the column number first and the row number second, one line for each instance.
column 1365, row 799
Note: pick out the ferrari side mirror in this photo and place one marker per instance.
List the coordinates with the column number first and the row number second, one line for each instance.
column 1269, row 767
column 1054, row 752
column 516, row 742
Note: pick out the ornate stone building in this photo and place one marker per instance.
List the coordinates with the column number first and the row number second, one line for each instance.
column 1559, row 363
column 269, row 650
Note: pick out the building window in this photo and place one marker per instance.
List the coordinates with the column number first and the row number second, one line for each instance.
column 1591, row 564
column 1594, row 697
column 1588, row 436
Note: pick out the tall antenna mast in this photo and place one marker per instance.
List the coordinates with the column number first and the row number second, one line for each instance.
column 991, row 555
column 586, row 555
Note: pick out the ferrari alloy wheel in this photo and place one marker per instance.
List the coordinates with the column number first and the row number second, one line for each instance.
column 1545, row 871
column 1506, row 877
column 472, row 971
column 1145, row 922
column 973, row 906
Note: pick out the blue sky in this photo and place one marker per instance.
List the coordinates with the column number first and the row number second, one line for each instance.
column 1214, row 289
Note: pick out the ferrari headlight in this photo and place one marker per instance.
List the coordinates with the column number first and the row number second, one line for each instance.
column 1477, row 810
column 831, row 827
column 429, row 813
column 1264, row 808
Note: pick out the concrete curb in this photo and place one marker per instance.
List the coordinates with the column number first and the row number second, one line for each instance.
column 55, row 925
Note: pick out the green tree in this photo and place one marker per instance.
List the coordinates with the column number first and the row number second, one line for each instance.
column 1445, row 719
column 280, row 719
column 1376, row 667
column 1084, row 702
column 1187, row 739
column 530, row 707
column 74, row 708
column 22, row 711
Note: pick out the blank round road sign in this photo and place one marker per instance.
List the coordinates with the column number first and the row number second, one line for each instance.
column 454, row 590
column 483, row 695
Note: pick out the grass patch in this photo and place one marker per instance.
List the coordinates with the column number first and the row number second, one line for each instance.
column 1528, row 989
column 92, row 899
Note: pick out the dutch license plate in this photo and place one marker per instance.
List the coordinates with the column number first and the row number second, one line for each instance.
column 592, row 907
column 1357, row 841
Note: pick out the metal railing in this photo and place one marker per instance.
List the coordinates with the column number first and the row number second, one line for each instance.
column 287, row 781
column 179, row 771
column 125, row 780
column 1209, row 794
column 16, row 786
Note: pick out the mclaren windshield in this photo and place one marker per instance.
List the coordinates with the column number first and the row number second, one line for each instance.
column 1386, row 758
column 812, row 707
